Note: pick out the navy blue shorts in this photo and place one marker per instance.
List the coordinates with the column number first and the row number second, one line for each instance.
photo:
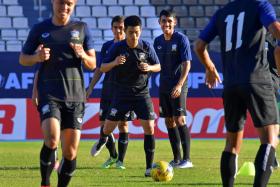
column 169, row 107
column 105, row 107
column 258, row 99
column 120, row 109
column 69, row 114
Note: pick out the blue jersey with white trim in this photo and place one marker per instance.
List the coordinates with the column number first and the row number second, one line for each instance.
column 240, row 28
column 61, row 77
column 129, row 81
column 171, row 54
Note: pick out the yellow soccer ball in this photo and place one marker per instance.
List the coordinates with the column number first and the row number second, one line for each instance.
column 162, row 171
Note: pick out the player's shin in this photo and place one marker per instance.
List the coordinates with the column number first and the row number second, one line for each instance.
column 66, row 171
column 263, row 164
column 185, row 141
column 47, row 161
column 149, row 147
column 122, row 145
column 228, row 168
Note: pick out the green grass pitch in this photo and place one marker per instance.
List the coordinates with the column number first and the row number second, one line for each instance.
column 19, row 165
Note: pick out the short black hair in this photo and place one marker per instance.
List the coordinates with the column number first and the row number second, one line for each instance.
column 132, row 21
column 167, row 13
column 117, row 19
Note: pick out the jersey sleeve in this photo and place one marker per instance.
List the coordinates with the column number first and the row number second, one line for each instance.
column 102, row 55
column 88, row 42
column 112, row 54
column 32, row 41
column 185, row 50
column 267, row 13
column 210, row 31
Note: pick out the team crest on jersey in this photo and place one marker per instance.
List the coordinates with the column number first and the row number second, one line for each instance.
column 45, row 109
column 159, row 47
column 75, row 35
column 113, row 112
column 174, row 47
column 142, row 56
column 45, row 35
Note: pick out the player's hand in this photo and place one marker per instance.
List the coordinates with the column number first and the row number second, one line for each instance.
column 43, row 53
column 78, row 49
column 144, row 67
column 120, row 60
column 176, row 92
column 212, row 78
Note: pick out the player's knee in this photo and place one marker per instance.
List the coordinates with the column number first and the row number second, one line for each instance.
column 123, row 127
column 51, row 143
column 70, row 155
column 180, row 120
column 170, row 123
column 149, row 130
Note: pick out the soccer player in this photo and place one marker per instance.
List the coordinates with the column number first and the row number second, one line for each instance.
column 117, row 25
column 131, row 62
column 247, row 81
column 35, row 103
column 271, row 46
column 174, row 53
column 64, row 45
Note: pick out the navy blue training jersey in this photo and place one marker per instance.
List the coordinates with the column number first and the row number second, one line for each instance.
column 171, row 54
column 107, row 90
column 61, row 77
column 239, row 26
column 128, row 79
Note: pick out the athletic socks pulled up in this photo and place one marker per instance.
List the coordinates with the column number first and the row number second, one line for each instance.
column 110, row 144
column 122, row 145
column 149, row 147
column 47, row 161
column 174, row 139
column 185, row 141
column 228, row 168
column 263, row 164
column 65, row 172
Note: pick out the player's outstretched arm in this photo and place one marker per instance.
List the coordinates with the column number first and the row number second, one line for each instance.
column 212, row 76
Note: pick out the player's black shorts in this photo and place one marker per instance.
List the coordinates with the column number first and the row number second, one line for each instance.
column 104, row 109
column 260, row 101
column 169, row 107
column 142, row 107
column 69, row 114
